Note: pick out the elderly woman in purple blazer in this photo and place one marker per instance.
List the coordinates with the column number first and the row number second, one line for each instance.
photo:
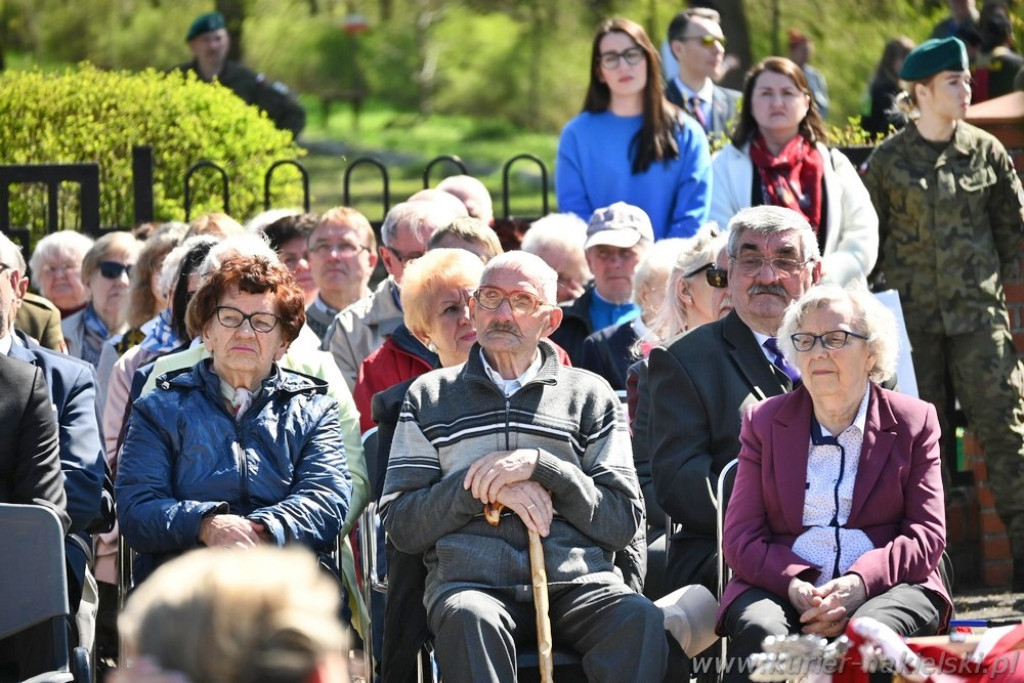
column 837, row 510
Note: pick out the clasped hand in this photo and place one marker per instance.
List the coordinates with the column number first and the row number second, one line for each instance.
column 504, row 477
column 231, row 531
column 824, row 610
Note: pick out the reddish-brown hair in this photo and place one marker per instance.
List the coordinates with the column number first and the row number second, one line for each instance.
column 252, row 275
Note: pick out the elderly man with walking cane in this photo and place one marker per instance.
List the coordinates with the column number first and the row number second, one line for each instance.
column 544, row 446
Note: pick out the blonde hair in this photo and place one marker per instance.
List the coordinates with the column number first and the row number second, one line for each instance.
column 231, row 616
column 699, row 250
column 436, row 270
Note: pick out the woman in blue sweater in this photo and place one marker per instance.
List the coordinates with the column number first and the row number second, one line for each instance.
column 630, row 144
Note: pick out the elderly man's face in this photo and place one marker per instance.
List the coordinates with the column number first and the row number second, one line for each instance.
column 613, row 269
column 339, row 257
column 573, row 274
column 407, row 246
column 503, row 330
column 211, row 48
column 766, row 274
column 9, row 283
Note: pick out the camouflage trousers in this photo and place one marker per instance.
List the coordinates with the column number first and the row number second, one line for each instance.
column 988, row 380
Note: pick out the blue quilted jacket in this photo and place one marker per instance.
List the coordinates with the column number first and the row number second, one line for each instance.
column 185, row 456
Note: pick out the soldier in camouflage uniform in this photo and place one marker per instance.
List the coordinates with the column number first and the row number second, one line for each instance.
column 950, row 216
column 209, row 42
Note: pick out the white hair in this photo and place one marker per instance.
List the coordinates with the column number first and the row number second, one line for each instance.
column 870, row 318
column 248, row 245
column 530, row 265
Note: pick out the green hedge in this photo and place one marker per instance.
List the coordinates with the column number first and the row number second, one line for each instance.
column 85, row 114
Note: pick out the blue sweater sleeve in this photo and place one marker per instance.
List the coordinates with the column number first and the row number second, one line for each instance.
column 570, row 189
column 693, row 186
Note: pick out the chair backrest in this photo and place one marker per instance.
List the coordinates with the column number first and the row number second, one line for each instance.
column 369, row 438
column 723, row 490
column 33, row 577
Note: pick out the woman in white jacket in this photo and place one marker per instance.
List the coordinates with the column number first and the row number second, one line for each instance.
column 778, row 156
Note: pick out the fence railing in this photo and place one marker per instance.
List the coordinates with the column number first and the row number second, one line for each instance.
column 86, row 176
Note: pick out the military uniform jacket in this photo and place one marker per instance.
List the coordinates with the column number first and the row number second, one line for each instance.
column 950, row 224
column 272, row 97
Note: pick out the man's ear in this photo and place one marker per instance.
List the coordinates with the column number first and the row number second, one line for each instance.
column 554, row 320
column 22, row 288
column 676, row 47
column 816, row 272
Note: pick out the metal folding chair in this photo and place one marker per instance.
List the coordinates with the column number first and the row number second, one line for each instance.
column 33, row 587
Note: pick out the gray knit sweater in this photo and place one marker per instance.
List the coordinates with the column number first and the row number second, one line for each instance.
column 452, row 417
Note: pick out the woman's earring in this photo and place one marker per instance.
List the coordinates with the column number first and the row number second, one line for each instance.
column 432, row 347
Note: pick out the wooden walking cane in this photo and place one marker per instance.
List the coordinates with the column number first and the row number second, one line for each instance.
column 539, row 578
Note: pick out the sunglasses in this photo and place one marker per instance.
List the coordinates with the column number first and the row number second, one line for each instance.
column 112, row 269
column 707, row 40
column 716, row 277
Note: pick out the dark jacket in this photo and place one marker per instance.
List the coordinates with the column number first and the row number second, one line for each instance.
column 699, row 386
column 71, row 384
column 185, row 457
column 724, row 107
column 273, row 97
column 576, row 326
column 609, row 352
column 29, row 450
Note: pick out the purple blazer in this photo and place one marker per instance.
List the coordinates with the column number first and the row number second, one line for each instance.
column 897, row 497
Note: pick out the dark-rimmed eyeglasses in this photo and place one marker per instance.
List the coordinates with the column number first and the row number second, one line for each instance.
column 707, row 40
column 610, row 60
column 404, row 258
column 836, row 339
column 112, row 270
column 342, row 248
column 521, row 303
column 753, row 265
column 231, row 317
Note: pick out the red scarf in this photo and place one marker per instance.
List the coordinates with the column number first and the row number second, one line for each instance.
column 792, row 178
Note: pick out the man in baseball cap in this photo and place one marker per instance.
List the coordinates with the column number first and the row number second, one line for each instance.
column 618, row 237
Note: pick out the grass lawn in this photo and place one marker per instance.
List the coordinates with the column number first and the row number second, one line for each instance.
column 405, row 142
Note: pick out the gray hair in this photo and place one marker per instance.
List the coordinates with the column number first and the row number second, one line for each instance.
column 69, row 243
column 562, row 231
column 421, row 218
column 769, row 220
column 247, row 245
column 530, row 265
column 870, row 318
column 171, row 270
column 10, row 254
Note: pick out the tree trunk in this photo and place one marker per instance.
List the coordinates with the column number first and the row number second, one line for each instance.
column 235, row 12
column 734, row 26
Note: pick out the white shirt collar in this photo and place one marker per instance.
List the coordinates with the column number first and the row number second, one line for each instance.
column 706, row 92
column 6, row 343
column 511, row 386
column 761, row 339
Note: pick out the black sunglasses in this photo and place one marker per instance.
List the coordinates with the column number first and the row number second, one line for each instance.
column 716, row 277
column 112, row 269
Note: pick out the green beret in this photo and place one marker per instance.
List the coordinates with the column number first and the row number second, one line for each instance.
column 933, row 56
column 211, row 21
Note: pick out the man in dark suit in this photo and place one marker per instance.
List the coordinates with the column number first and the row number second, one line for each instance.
column 697, row 41
column 701, row 382
column 29, row 474
column 71, row 386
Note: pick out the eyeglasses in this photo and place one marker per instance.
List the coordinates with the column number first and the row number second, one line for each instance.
column 836, row 339
column 231, row 317
column 55, row 269
column 707, row 40
column 343, row 249
column 611, row 60
column 752, row 265
column 112, row 269
column 521, row 303
column 405, row 258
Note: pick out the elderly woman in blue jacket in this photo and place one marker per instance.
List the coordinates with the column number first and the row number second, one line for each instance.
column 235, row 452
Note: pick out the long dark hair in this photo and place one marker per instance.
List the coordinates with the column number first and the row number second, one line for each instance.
column 812, row 127
column 656, row 140
column 896, row 50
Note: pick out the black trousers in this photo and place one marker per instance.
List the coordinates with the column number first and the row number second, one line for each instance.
column 909, row 610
